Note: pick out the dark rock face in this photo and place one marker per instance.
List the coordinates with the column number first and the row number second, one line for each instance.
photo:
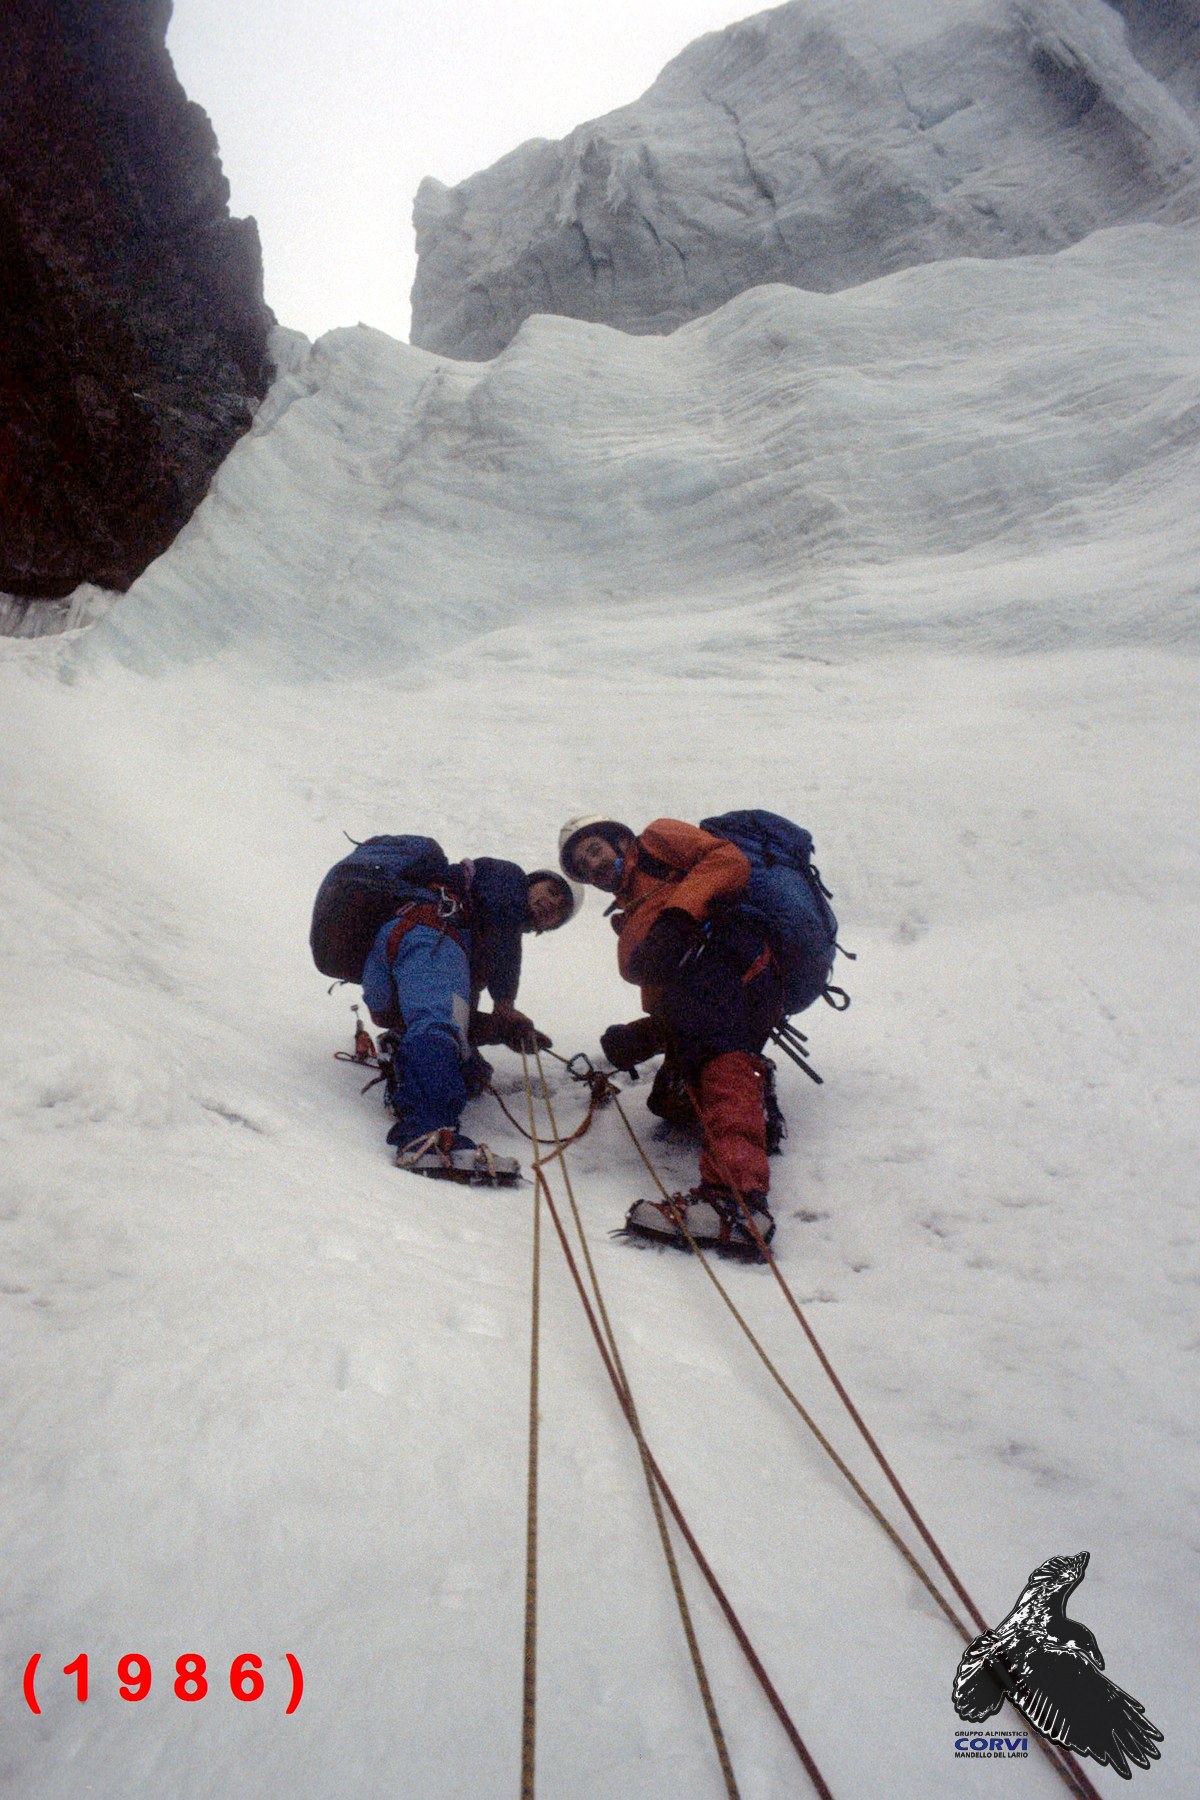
column 131, row 313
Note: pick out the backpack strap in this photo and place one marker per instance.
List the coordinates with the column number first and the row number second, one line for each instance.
column 654, row 866
column 443, row 914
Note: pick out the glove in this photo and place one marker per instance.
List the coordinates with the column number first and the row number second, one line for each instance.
column 513, row 1029
column 520, row 1033
column 667, row 942
column 516, row 1029
column 627, row 1045
column 484, row 1029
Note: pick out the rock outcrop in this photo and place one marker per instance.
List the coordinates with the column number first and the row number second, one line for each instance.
column 821, row 145
column 131, row 308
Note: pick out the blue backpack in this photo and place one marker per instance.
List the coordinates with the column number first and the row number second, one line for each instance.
column 787, row 893
column 366, row 889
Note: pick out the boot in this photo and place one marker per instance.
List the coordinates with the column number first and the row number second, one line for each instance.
column 447, row 1155
column 657, row 1220
column 669, row 1099
column 713, row 1220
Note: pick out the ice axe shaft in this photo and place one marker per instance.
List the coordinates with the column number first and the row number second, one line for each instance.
column 790, row 1049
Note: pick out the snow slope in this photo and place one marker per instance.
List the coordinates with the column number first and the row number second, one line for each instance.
column 915, row 563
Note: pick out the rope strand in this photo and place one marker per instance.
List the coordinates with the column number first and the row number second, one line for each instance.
column 842, row 1467
column 701, row 1560
column 529, row 1685
column 601, row 1092
column 1061, row 1758
column 714, row 1723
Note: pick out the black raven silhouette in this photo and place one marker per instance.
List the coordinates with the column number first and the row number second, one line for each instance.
column 1049, row 1665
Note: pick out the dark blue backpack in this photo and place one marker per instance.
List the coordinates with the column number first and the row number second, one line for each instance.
column 366, row 889
column 787, row 893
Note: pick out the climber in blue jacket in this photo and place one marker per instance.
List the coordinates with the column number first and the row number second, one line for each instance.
column 423, row 981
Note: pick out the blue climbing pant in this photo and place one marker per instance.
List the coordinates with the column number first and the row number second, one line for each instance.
column 423, row 990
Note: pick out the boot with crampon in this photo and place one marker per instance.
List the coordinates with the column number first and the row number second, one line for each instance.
column 447, row 1155
column 708, row 1216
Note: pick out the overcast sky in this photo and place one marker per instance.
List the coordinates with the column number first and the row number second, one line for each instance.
column 328, row 115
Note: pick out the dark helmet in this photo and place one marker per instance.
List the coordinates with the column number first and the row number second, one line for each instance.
column 571, row 891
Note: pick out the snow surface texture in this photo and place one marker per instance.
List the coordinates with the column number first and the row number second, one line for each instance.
column 822, row 145
column 915, row 564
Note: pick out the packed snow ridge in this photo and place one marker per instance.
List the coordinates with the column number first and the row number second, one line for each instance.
column 822, row 145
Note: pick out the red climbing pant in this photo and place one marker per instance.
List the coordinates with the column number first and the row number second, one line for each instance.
column 730, row 1091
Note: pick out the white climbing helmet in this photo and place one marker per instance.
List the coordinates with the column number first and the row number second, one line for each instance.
column 578, row 827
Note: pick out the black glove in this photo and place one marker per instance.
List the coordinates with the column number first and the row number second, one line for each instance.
column 522, row 1034
column 484, row 1029
column 507, row 1026
column 667, row 942
column 627, row 1045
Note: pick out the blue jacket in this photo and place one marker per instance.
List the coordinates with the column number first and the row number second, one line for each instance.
column 499, row 902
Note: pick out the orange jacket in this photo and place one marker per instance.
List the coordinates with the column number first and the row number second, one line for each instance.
column 672, row 864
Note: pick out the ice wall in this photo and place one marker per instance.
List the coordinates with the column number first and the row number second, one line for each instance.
column 861, row 463
column 821, row 145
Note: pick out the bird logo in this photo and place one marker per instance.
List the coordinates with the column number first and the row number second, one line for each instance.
column 1050, row 1667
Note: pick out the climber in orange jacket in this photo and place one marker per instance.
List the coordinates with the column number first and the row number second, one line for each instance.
column 712, row 993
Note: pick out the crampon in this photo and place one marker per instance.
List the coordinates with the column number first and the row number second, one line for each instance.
column 445, row 1155
column 713, row 1220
